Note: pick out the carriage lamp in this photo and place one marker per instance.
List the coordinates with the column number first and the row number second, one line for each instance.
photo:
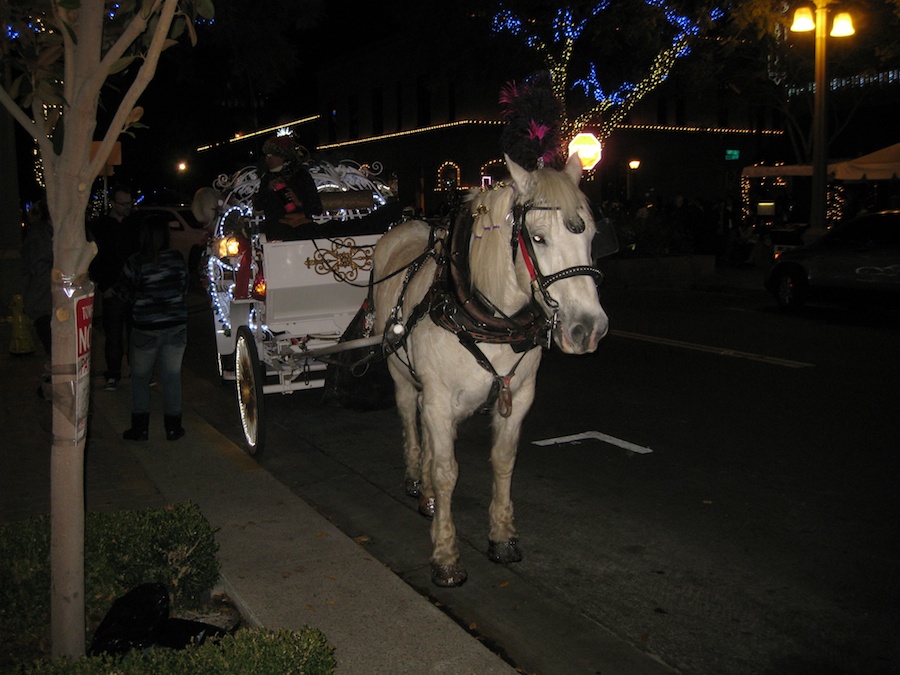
column 229, row 247
column 258, row 291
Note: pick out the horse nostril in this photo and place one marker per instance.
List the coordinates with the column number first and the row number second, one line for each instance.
column 578, row 334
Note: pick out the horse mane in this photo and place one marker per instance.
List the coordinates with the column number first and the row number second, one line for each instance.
column 490, row 257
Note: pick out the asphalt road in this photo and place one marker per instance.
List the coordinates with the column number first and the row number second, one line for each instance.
column 759, row 534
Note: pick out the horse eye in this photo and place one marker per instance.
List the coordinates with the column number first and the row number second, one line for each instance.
column 538, row 239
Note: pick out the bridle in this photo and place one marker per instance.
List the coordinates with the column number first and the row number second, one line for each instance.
column 522, row 241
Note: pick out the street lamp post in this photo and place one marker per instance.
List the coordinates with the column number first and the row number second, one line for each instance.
column 803, row 21
column 633, row 165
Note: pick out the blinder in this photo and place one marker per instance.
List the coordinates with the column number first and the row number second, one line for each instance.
column 521, row 239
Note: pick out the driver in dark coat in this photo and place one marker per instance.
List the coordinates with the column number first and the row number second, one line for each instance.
column 287, row 193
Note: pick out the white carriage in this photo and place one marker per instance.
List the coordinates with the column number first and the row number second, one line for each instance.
column 280, row 308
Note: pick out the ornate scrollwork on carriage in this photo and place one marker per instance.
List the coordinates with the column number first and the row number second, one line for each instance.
column 344, row 260
column 349, row 191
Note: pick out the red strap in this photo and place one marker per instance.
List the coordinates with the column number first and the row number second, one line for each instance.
column 526, row 258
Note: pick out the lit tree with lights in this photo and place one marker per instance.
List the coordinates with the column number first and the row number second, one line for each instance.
column 58, row 55
column 651, row 35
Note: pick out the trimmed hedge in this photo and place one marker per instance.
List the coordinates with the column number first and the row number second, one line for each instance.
column 174, row 546
column 248, row 651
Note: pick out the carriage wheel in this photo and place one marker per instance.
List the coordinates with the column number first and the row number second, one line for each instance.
column 251, row 403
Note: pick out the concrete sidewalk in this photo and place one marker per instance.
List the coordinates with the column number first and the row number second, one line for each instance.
column 283, row 564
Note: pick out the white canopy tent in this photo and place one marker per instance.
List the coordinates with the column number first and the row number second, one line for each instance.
column 882, row 164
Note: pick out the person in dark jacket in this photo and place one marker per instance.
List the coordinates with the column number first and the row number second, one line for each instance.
column 37, row 263
column 154, row 282
column 115, row 234
column 287, row 193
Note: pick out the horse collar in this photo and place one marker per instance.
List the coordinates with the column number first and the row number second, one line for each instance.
column 455, row 307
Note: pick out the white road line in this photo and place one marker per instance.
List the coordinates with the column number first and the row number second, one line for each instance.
column 606, row 438
column 714, row 350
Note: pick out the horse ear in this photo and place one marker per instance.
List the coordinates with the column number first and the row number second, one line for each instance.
column 574, row 169
column 521, row 177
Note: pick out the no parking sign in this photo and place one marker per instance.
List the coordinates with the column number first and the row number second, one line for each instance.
column 84, row 318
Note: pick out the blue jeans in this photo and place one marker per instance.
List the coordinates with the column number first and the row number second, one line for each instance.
column 166, row 348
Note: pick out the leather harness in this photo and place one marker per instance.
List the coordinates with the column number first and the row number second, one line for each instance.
column 454, row 305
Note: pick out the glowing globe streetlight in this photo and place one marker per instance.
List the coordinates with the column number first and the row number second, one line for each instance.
column 588, row 148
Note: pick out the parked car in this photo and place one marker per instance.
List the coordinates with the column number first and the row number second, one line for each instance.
column 187, row 235
column 859, row 259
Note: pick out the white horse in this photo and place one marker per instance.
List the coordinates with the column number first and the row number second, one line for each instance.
column 524, row 262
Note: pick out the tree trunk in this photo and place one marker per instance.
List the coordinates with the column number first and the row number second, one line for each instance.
column 71, row 377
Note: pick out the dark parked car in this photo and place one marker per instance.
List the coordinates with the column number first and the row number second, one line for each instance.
column 856, row 260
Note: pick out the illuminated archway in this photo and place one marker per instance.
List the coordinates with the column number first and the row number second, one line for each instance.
column 448, row 176
column 493, row 172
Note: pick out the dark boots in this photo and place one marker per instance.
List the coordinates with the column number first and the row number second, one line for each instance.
column 140, row 422
column 174, row 430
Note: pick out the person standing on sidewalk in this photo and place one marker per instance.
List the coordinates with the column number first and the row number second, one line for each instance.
column 37, row 263
column 115, row 234
column 154, row 282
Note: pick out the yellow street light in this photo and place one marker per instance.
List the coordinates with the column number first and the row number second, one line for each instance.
column 803, row 20
column 633, row 165
column 843, row 26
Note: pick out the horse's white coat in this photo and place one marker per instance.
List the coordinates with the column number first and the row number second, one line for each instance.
column 451, row 385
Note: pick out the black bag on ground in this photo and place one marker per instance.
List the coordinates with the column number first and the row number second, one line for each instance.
column 140, row 620
column 135, row 621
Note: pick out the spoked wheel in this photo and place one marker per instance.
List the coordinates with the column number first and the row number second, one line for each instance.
column 251, row 403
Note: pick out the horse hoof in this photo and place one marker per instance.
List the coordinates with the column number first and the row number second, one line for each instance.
column 504, row 552
column 448, row 576
column 426, row 506
column 413, row 487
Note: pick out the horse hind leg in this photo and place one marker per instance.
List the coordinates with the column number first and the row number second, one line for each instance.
column 417, row 483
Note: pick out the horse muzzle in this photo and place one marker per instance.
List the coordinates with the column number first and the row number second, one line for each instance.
column 583, row 334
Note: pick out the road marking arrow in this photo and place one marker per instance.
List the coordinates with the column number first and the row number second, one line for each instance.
column 596, row 435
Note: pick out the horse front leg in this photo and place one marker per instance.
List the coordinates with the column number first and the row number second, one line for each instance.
column 439, row 436
column 503, row 539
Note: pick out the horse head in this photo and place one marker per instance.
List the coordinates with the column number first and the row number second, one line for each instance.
column 553, row 229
